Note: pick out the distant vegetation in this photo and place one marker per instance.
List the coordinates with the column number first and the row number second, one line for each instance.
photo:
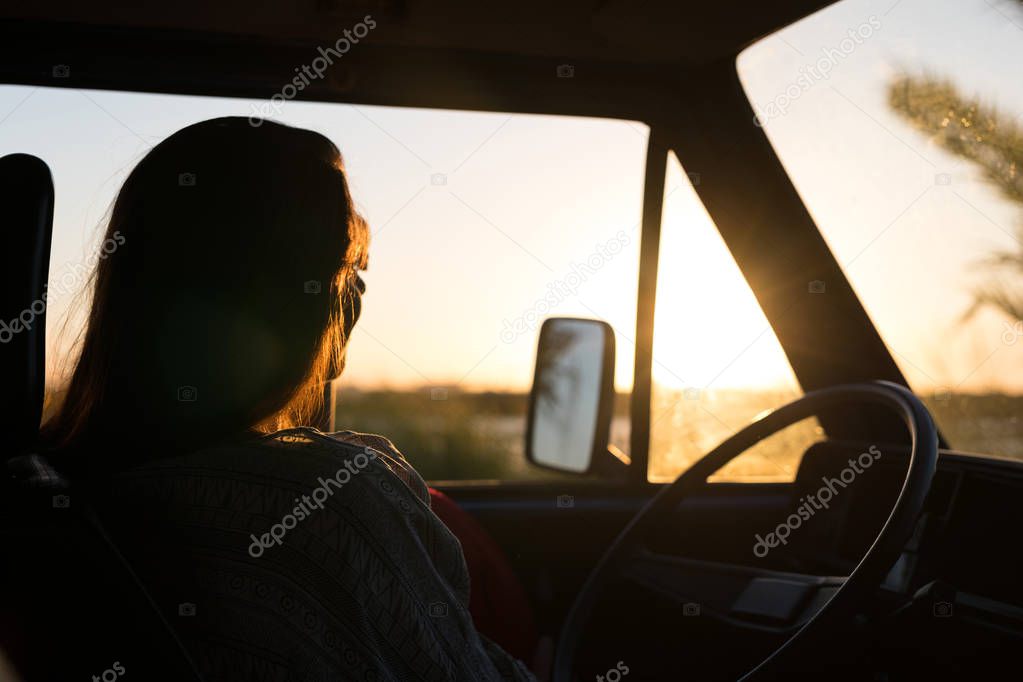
column 990, row 424
column 480, row 435
column 445, row 434
column 449, row 433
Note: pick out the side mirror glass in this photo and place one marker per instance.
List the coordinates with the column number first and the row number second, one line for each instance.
column 572, row 398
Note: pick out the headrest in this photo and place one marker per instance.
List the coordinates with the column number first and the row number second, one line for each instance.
column 26, row 201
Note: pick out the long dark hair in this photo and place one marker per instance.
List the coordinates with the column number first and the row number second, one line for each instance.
column 226, row 292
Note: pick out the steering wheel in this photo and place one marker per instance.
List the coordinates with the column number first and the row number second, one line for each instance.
column 817, row 603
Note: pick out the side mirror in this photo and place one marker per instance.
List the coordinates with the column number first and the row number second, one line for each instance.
column 572, row 399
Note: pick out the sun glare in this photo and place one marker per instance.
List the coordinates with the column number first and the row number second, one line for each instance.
column 709, row 330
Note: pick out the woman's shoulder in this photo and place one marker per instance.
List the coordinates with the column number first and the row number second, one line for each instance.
column 349, row 489
column 361, row 450
column 272, row 470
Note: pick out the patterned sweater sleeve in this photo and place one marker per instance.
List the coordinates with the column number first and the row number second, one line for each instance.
column 446, row 553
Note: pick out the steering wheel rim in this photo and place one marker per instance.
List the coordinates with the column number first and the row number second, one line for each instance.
column 868, row 574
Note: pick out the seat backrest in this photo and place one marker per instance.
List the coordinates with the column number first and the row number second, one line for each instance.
column 26, row 199
column 70, row 605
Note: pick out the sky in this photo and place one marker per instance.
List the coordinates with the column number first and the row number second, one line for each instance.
column 908, row 221
column 476, row 218
column 484, row 223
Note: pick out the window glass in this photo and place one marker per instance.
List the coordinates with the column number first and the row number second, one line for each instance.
column 483, row 224
column 901, row 126
column 717, row 363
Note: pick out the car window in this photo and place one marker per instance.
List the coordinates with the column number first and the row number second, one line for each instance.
column 483, row 224
column 901, row 126
column 717, row 363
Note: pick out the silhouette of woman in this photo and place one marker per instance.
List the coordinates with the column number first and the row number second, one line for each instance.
column 214, row 326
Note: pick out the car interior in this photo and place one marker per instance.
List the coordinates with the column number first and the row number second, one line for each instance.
column 906, row 571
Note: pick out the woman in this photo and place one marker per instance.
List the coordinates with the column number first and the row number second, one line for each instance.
column 276, row 551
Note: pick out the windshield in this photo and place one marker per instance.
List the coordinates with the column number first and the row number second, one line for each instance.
column 483, row 224
column 901, row 125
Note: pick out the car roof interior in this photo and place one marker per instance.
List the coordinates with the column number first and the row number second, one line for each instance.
column 430, row 54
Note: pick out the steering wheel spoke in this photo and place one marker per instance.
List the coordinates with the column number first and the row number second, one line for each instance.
column 742, row 596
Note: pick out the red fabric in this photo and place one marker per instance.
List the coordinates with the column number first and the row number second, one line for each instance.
column 497, row 600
